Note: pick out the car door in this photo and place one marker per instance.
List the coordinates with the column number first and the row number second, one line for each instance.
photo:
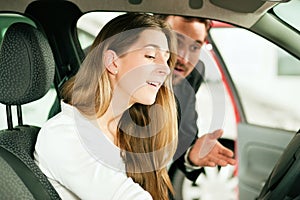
column 264, row 80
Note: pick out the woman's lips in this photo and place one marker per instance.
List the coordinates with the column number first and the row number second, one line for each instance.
column 154, row 83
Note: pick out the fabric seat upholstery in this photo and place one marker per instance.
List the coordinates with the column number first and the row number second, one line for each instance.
column 26, row 73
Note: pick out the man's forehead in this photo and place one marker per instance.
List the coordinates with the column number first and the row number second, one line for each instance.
column 187, row 38
column 192, row 29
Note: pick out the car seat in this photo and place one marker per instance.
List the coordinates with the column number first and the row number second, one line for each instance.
column 26, row 73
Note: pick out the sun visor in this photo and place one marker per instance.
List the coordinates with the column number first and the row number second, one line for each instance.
column 243, row 6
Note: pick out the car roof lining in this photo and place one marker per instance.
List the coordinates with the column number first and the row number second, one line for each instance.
column 207, row 10
column 234, row 12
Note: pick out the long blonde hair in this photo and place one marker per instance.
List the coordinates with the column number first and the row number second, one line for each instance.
column 146, row 134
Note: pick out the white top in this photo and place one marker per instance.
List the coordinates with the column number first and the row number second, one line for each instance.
column 73, row 167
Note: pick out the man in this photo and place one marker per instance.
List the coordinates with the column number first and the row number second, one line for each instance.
column 193, row 153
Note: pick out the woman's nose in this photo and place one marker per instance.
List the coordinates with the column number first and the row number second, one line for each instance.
column 163, row 67
column 163, row 70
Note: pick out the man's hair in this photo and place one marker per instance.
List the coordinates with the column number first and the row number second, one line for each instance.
column 207, row 22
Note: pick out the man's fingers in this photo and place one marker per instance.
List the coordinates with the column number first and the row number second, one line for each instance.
column 222, row 160
column 221, row 163
column 227, row 152
column 211, row 164
column 230, row 161
column 228, row 157
column 224, row 150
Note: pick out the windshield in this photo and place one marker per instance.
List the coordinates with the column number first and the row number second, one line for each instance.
column 289, row 12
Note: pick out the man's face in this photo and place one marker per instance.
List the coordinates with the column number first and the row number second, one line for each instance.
column 191, row 35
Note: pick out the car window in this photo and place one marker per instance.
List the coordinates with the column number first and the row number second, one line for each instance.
column 289, row 12
column 35, row 112
column 90, row 24
column 214, row 104
column 267, row 78
column 9, row 18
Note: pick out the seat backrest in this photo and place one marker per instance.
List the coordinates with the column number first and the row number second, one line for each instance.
column 26, row 73
column 284, row 180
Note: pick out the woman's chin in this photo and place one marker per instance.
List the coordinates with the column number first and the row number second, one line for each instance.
column 147, row 101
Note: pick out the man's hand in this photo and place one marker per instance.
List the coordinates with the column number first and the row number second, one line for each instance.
column 208, row 151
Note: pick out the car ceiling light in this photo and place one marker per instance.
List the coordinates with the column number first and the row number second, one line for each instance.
column 195, row 4
column 135, row 2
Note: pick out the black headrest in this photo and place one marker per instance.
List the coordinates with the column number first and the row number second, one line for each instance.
column 26, row 65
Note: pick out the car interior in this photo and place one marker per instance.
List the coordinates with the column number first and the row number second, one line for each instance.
column 26, row 59
column 37, row 56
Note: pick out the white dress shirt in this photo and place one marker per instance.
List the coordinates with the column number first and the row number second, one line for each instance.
column 81, row 162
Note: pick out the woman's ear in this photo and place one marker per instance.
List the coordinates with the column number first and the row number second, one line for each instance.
column 109, row 61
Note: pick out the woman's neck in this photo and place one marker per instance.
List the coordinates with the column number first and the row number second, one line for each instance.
column 108, row 122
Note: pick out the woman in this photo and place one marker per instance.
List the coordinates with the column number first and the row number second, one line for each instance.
column 118, row 126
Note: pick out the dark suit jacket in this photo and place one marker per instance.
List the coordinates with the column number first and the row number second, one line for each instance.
column 187, row 134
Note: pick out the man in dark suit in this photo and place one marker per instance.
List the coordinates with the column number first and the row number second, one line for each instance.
column 193, row 153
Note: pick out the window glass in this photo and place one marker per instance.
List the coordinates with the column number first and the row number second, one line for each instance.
column 9, row 18
column 214, row 104
column 267, row 78
column 89, row 25
column 35, row 113
column 287, row 65
column 289, row 12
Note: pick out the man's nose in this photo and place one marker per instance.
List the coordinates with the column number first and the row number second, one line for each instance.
column 183, row 55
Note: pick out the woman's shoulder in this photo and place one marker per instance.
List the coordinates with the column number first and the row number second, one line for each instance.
column 57, row 133
column 62, row 120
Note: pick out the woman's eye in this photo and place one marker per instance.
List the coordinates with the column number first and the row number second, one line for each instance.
column 150, row 56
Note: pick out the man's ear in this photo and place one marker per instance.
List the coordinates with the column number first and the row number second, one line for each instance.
column 109, row 61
